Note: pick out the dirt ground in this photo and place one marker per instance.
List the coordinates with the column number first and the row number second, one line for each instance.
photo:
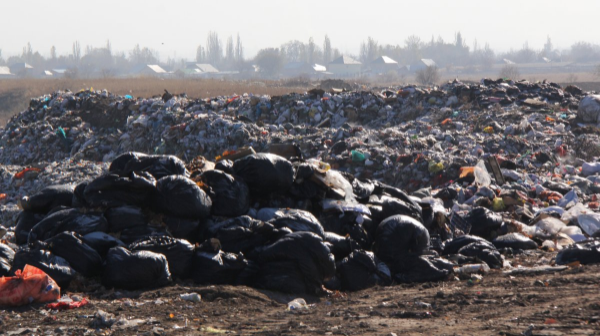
column 559, row 303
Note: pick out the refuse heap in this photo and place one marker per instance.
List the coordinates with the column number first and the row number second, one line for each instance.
column 348, row 190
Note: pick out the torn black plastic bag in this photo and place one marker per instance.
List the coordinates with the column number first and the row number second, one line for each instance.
column 7, row 255
column 340, row 246
column 68, row 220
column 179, row 196
column 453, row 245
column 265, row 173
column 214, row 266
column 124, row 217
column 118, row 165
column 347, row 223
column 297, row 220
column 136, row 233
column 56, row 267
column 158, row 166
column 48, row 198
column 411, row 269
column 79, row 196
column 83, row 258
column 178, row 252
column 362, row 189
column 302, row 256
column 113, row 190
column 586, row 253
column 184, row 228
column 135, row 270
column 362, row 270
column 230, row 197
column 25, row 222
column 101, row 242
column 398, row 236
column 225, row 166
column 484, row 223
column 515, row 240
column 483, row 251
column 241, row 234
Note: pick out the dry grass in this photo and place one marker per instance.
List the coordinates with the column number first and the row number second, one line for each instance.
column 16, row 93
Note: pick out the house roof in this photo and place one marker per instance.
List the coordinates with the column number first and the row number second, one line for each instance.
column 428, row 62
column 5, row 71
column 307, row 67
column 156, row 68
column 507, row 61
column 345, row 60
column 152, row 67
column 319, row 68
column 203, row 67
column 47, row 73
column 383, row 60
column 20, row 65
column 59, row 71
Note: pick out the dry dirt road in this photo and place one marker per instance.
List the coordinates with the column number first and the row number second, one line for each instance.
column 560, row 303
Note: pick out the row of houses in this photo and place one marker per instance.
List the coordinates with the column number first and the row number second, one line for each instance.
column 343, row 66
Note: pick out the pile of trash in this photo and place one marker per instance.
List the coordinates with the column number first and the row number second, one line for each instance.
column 299, row 193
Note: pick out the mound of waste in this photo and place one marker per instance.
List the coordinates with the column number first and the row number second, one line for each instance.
column 300, row 193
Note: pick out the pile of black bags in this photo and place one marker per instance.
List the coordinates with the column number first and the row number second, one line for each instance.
column 260, row 221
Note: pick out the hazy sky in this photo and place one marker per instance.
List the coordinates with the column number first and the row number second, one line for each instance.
column 177, row 27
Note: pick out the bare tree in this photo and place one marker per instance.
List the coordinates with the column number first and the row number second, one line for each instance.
column 200, row 54
column 369, row 50
column 311, row 49
column 53, row 53
column 326, row 50
column 214, row 50
column 229, row 50
column 269, row 61
column 510, row 71
column 413, row 46
column 239, row 50
column 76, row 52
column 428, row 76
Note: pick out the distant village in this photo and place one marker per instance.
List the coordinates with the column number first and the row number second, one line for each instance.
column 298, row 59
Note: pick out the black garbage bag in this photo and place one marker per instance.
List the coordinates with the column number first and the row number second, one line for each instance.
column 133, row 234
column 179, row 252
column 307, row 189
column 135, row 270
column 453, row 245
column 515, row 240
column 82, row 258
column 484, row 223
column 48, row 198
column 297, row 263
column 25, row 222
column 225, row 166
column 56, row 267
column 210, row 265
column 124, row 217
column 483, row 251
column 362, row 270
column 118, row 165
column 400, row 235
column 158, row 166
column 241, row 234
column 340, row 246
column 362, row 189
column 68, row 220
column 184, row 228
column 411, row 269
column 7, row 255
column 230, row 197
column 101, row 242
column 297, row 220
column 113, row 190
column 384, row 189
column 395, row 206
column 179, row 196
column 344, row 224
column 586, row 253
column 265, row 173
column 79, row 196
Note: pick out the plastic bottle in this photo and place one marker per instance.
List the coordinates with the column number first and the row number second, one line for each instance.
column 472, row 268
column 357, row 156
column 193, row 297
column 297, row 304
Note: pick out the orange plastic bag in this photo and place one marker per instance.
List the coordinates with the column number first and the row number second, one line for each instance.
column 466, row 171
column 30, row 285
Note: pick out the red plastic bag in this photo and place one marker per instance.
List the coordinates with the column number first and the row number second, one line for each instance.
column 67, row 305
column 30, row 285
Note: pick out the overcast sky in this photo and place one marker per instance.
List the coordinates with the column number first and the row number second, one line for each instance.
column 177, row 27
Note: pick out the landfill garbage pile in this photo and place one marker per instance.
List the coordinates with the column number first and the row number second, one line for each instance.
column 300, row 193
